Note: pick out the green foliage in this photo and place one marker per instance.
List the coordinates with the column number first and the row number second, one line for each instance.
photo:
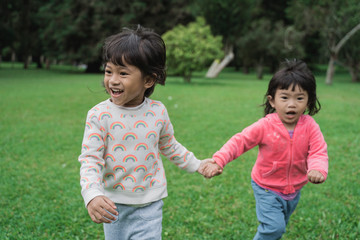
column 228, row 18
column 269, row 43
column 191, row 48
column 42, row 122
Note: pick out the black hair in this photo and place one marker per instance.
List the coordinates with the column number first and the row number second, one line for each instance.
column 293, row 73
column 140, row 47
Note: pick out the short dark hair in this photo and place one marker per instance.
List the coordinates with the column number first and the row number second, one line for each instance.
column 293, row 73
column 140, row 47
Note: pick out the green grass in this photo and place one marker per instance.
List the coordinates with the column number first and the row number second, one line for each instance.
column 42, row 122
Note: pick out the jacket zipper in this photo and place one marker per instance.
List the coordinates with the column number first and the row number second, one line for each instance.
column 290, row 163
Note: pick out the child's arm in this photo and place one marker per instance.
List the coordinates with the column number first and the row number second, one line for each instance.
column 208, row 168
column 317, row 160
column 92, row 159
column 175, row 151
column 239, row 144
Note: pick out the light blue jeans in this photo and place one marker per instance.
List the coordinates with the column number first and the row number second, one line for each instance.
column 272, row 212
column 136, row 223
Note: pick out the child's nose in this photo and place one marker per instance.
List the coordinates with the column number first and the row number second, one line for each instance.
column 115, row 79
column 292, row 103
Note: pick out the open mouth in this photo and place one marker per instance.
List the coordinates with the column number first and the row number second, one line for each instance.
column 291, row 113
column 116, row 92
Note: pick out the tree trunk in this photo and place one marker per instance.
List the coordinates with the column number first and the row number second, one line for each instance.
column 47, row 63
column 217, row 67
column 187, row 78
column 335, row 51
column 260, row 68
column 259, row 71
column 330, row 70
column 354, row 72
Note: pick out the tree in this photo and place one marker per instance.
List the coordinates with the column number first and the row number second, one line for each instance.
column 331, row 19
column 268, row 43
column 75, row 30
column 227, row 18
column 191, row 48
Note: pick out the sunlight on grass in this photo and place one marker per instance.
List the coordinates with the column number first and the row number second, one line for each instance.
column 42, row 122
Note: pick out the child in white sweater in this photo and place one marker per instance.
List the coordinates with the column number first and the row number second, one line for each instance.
column 122, row 176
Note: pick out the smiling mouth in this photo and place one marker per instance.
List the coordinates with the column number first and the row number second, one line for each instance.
column 116, row 92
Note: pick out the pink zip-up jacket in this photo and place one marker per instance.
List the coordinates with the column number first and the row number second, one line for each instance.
column 283, row 162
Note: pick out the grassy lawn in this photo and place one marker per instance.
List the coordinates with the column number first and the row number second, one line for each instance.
column 42, row 121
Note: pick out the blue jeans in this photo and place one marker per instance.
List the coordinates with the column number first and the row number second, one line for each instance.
column 136, row 223
column 272, row 212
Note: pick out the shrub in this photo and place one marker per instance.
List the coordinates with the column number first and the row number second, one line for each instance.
column 191, row 48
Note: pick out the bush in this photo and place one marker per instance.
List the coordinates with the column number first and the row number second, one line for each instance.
column 191, row 48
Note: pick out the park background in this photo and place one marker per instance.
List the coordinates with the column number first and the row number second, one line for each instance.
column 50, row 76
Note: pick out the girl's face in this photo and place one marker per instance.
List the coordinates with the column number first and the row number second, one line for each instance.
column 289, row 105
column 125, row 84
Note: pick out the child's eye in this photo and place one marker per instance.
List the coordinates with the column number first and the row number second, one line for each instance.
column 283, row 97
column 107, row 72
column 123, row 73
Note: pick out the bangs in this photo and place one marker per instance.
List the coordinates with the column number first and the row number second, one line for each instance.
column 292, row 79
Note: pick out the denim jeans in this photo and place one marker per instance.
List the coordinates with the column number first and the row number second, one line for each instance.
column 272, row 212
column 136, row 222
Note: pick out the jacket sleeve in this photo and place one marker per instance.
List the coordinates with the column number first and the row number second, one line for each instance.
column 240, row 143
column 173, row 150
column 91, row 159
column 317, row 155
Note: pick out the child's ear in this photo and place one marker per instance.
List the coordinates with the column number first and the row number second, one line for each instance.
column 271, row 100
column 150, row 81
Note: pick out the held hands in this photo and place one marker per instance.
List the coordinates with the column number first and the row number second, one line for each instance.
column 209, row 168
column 98, row 207
column 315, row 176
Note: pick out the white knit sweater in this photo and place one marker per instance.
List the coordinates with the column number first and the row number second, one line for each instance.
column 121, row 148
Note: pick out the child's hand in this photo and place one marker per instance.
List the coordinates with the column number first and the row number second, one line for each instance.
column 99, row 209
column 208, row 168
column 315, row 176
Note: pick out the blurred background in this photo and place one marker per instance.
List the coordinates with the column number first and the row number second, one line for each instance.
column 255, row 34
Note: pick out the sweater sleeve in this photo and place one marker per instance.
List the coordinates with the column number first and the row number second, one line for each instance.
column 317, row 155
column 91, row 159
column 239, row 144
column 173, row 150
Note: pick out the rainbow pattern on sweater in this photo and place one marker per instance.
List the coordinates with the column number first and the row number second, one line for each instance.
column 117, row 125
column 110, row 175
column 88, row 125
column 104, row 115
column 140, row 168
column 147, row 177
column 118, row 147
column 150, row 156
column 151, row 134
column 129, row 136
column 92, row 169
column 153, row 182
column 139, row 188
column 130, row 178
column 140, row 124
column 142, row 146
column 110, row 157
column 95, row 136
column 130, row 157
column 109, row 136
column 119, row 168
column 119, row 185
column 150, row 113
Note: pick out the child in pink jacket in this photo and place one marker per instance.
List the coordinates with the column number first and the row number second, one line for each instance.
column 292, row 149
